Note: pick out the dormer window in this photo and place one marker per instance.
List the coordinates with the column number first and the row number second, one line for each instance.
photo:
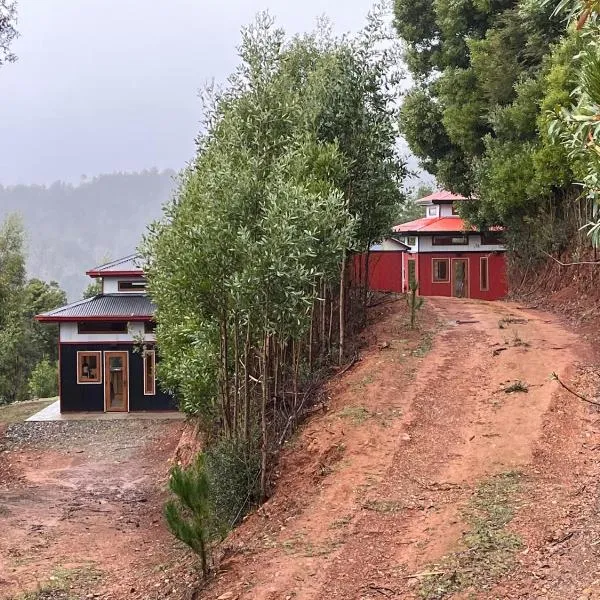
column 432, row 211
column 138, row 285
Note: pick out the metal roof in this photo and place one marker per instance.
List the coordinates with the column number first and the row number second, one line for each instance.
column 433, row 225
column 442, row 196
column 114, row 307
column 128, row 265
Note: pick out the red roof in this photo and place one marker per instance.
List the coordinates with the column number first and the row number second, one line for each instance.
column 441, row 196
column 433, row 225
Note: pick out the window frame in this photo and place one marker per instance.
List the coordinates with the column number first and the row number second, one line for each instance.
column 446, row 261
column 98, row 355
column 411, row 263
column 484, row 260
column 147, row 354
column 435, row 240
column 496, row 238
column 436, row 210
column 142, row 283
column 414, row 240
column 91, row 331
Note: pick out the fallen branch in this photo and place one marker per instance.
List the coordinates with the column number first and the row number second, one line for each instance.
column 381, row 589
column 571, row 391
column 572, row 264
column 348, row 366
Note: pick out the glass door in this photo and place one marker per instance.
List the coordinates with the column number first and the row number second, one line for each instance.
column 116, row 387
column 460, row 277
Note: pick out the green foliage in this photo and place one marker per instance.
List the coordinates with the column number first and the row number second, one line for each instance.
column 93, row 289
column 577, row 126
column 43, row 381
column 8, row 33
column 232, row 469
column 23, row 342
column 487, row 73
column 188, row 516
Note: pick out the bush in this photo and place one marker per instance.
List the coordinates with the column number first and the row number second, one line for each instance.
column 43, row 381
column 233, row 473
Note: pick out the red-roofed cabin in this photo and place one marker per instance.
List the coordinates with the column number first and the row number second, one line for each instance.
column 107, row 357
column 445, row 256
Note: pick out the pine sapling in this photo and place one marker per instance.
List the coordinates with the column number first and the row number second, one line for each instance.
column 188, row 515
column 414, row 302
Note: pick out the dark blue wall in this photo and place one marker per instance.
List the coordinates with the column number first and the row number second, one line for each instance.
column 90, row 396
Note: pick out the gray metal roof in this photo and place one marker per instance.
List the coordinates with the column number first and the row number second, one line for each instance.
column 131, row 263
column 117, row 306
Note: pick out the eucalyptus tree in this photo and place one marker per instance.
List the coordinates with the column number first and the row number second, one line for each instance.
column 577, row 125
column 296, row 167
column 8, row 32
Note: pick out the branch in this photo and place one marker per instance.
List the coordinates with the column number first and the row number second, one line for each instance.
column 562, row 264
column 571, row 391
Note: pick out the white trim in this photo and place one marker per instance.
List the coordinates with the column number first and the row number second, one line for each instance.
column 447, row 261
column 104, row 367
column 100, row 367
column 146, row 353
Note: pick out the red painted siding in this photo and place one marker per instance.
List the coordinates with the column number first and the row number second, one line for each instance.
column 497, row 284
column 385, row 270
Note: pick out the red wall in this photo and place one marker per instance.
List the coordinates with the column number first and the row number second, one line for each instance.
column 385, row 270
column 497, row 284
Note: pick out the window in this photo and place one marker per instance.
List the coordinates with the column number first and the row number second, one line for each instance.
column 149, row 373
column 484, row 276
column 441, row 270
column 139, row 285
column 102, row 327
column 411, row 240
column 88, row 367
column 432, row 211
column 450, row 240
column 491, row 238
column 149, row 327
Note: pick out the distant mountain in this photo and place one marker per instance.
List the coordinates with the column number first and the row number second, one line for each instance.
column 73, row 228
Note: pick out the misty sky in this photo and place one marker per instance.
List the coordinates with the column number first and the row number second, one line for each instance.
column 109, row 85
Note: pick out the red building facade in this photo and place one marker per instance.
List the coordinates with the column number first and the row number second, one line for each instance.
column 439, row 251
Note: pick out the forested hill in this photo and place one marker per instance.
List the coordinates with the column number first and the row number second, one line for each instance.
column 71, row 228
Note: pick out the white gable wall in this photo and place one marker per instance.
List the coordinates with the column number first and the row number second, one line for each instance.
column 111, row 285
column 474, row 245
column 69, row 333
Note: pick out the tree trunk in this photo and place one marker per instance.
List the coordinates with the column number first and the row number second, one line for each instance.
column 263, row 418
column 342, row 309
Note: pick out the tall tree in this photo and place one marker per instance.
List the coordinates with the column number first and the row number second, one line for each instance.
column 485, row 77
column 295, row 169
column 8, row 32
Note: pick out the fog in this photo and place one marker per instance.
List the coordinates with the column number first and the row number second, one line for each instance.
column 112, row 85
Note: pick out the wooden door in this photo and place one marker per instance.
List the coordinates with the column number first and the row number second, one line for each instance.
column 116, row 381
column 460, row 277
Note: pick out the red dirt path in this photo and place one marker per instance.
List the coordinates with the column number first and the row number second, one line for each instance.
column 370, row 495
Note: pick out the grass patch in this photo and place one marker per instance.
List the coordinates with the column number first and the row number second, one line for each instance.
column 355, row 414
column 64, row 584
column 489, row 548
column 383, row 506
column 17, row 412
column 517, row 386
column 518, row 341
column 502, row 323
column 424, row 346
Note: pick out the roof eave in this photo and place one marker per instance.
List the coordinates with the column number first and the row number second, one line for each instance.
column 95, row 273
column 57, row 319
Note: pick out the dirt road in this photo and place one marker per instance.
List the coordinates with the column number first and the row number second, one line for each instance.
column 449, row 464
column 80, row 508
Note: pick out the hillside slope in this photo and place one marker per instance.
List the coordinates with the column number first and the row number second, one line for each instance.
column 73, row 228
column 426, row 477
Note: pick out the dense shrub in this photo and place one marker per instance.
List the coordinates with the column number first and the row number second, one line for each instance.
column 43, row 382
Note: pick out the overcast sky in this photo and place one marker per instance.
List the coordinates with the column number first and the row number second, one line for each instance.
column 109, row 85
